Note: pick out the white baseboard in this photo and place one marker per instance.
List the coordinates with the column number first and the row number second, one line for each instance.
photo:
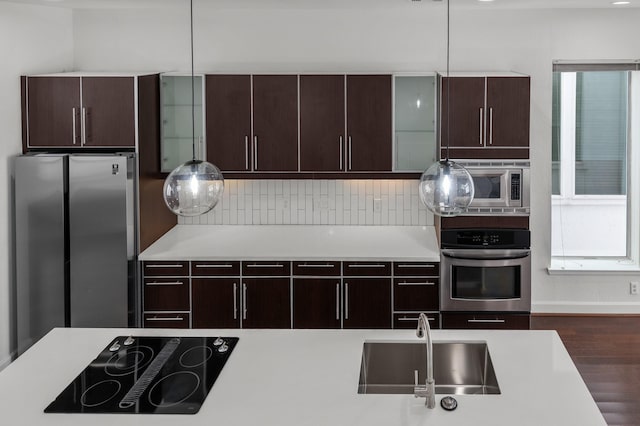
column 553, row 307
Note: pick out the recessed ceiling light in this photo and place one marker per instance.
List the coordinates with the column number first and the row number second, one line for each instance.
column 485, row 1
column 619, row 3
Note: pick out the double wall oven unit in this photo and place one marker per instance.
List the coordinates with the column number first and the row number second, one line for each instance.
column 485, row 270
column 501, row 187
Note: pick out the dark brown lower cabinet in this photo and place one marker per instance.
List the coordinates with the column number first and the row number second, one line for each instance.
column 266, row 303
column 487, row 321
column 367, row 303
column 166, row 320
column 215, row 302
column 166, row 294
column 316, row 303
column 409, row 320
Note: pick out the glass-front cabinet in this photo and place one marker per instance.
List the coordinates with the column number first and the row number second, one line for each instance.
column 176, row 110
column 414, row 122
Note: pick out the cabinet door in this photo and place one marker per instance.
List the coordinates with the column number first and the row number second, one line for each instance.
column 275, row 123
column 53, row 109
column 462, row 113
column 215, row 302
column 316, row 303
column 507, row 112
column 322, row 123
column 485, row 321
column 108, row 108
column 266, row 303
column 369, row 140
column 367, row 303
column 228, row 121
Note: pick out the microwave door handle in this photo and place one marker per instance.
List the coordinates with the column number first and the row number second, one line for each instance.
column 485, row 254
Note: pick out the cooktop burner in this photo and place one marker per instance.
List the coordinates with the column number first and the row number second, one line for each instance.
column 145, row 374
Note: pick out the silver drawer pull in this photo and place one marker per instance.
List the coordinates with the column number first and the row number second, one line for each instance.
column 414, row 319
column 165, row 283
column 487, row 321
column 214, row 266
column 266, row 266
column 164, row 266
column 417, row 265
column 367, row 265
column 405, row 283
column 165, row 319
column 304, row 265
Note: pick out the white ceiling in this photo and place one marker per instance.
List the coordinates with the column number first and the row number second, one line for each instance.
column 326, row 4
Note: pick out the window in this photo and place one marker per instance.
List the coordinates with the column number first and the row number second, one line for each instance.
column 593, row 150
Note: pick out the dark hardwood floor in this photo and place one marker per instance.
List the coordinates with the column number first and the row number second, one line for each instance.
column 606, row 351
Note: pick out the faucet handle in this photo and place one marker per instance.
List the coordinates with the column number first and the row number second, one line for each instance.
column 419, row 391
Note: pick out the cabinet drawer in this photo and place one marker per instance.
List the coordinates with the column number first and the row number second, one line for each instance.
column 409, row 320
column 366, row 269
column 317, row 269
column 413, row 269
column 485, row 321
column 217, row 268
column 166, row 294
column 416, row 294
column 166, row 320
column 266, row 268
column 172, row 269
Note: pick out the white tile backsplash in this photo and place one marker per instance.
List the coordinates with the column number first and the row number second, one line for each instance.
column 317, row 202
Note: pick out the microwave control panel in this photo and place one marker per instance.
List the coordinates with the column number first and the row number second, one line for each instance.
column 515, row 186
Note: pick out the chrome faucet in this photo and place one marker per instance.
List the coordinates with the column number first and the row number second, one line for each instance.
column 427, row 391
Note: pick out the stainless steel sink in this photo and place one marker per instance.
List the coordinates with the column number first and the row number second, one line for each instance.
column 461, row 368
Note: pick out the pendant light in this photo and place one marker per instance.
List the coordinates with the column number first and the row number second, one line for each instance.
column 446, row 188
column 195, row 187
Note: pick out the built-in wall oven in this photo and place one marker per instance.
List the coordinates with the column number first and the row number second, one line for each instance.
column 485, row 270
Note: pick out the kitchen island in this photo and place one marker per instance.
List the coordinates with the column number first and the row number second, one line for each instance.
column 310, row 377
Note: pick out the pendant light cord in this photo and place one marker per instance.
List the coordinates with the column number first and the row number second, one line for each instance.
column 448, row 86
column 193, row 91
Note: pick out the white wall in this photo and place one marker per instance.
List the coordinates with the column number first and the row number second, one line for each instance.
column 32, row 39
column 402, row 38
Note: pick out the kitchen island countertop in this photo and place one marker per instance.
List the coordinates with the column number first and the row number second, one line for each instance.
column 296, row 242
column 310, row 377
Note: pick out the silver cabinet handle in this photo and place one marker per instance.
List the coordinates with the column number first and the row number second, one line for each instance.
column 340, row 141
column 350, row 165
column 486, row 321
column 83, row 124
column 73, row 123
column 235, row 301
column 346, row 301
column 164, row 266
column 204, row 265
column 275, row 265
column 327, row 265
column 490, row 126
column 155, row 283
column 415, row 319
column 370, row 265
column 338, row 301
column 426, row 283
column 244, row 301
column 481, row 115
column 417, row 265
column 246, row 152
column 165, row 319
column 255, row 152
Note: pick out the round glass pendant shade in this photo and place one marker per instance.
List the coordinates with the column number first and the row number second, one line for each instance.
column 194, row 188
column 446, row 188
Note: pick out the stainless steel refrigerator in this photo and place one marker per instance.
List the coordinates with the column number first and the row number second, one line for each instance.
column 76, row 243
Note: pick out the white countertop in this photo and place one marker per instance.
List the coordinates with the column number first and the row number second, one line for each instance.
column 310, row 378
column 296, row 242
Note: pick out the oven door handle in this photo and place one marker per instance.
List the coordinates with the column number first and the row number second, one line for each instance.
column 485, row 254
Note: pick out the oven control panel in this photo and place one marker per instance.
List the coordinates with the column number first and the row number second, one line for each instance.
column 485, row 238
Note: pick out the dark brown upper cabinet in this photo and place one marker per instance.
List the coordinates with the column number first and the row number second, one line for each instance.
column 79, row 112
column 369, row 138
column 322, row 123
column 485, row 117
column 270, row 102
column 228, row 121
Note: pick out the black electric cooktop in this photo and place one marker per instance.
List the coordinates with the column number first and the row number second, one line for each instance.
column 147, row 375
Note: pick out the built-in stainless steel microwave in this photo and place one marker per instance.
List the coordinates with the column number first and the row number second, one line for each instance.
column 501, row 187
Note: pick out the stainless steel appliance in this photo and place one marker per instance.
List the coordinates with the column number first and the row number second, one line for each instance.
column 485, row 270
column 501, row 187
column 147, row 374
column 76, row 233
